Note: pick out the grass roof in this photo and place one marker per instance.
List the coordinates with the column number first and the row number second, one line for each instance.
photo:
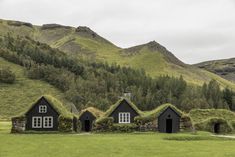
column 160, row 109
column 55, row 103
column 94, row 111
column 113, row 107
column 199, row 115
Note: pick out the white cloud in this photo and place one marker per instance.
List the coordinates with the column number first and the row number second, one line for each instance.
column 194, row 30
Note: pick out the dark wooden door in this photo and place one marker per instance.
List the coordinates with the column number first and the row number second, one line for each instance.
column 168, row 125
column 87, row 126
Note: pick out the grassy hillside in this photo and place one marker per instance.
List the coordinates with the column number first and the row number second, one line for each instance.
column 225, row 68
column 16, row 98
column 199, row 115
column 83, row 42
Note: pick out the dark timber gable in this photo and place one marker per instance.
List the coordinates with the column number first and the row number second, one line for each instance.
column 169, row 121
column 123, row 107
column 34, row 112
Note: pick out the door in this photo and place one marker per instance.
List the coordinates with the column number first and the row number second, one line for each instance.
column 168, row 125
column 217, row 128
column 87, row 125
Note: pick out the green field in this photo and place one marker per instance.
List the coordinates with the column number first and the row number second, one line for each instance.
column 113, row 145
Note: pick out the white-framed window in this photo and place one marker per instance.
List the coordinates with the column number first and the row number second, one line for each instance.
column 47, row 122
column 42, row 109
column 36, row 122
column 124, row 117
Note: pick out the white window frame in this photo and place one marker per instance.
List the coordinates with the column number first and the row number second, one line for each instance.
column 124, row 117
column 36, row 123
column 42, row 109
column 48, row 122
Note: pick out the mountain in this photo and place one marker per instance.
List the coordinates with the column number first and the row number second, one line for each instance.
column 224, row 68
column 82, row 42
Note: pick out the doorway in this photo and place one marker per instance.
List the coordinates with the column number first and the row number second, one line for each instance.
column 217, row 128
column 87, row 126
column 168, row 125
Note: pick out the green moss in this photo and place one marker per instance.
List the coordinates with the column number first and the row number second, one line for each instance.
column 94, row 111
column 199, row 115
column 113, row 107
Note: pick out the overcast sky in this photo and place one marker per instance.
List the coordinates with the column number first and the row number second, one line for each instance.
column 194, row 30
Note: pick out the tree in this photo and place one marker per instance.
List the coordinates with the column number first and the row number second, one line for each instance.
column 6, row 75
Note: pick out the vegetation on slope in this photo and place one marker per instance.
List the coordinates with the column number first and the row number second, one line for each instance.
column 17, row 97
column 225, row 68
column 101, row 84
column 82, row 42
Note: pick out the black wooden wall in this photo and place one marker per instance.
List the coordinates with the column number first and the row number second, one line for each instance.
column 34, row 111
column 124, row 107
column 169, row 113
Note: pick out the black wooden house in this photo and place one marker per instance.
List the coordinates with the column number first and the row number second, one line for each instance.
column 169, row 120
column 123, row 111
column 43, row 115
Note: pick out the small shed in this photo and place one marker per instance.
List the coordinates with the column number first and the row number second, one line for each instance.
column 169, row 120
column 88, row 116
column 123, row 111
column 165, row 118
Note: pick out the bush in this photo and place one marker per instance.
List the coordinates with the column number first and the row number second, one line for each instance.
column 7, row 76
column 124, row 127
column 103, row 124
column 65, row 124
column 208, row 125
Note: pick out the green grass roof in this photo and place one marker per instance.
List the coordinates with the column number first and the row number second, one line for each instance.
column 96, row 112
column 55, row 103
column 113, row 107
column 160, row 109
column 199, row 115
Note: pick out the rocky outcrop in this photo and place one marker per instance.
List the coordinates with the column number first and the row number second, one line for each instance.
column 54, row 26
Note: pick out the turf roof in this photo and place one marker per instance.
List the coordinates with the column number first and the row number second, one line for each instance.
column 160, row 109
column 55, row 103
column 199, row 115
column 113, row 107
column 94, row 111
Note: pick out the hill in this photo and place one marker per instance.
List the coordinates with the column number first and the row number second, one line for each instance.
column 83, row 42
column 224, row 68
column 17, row 97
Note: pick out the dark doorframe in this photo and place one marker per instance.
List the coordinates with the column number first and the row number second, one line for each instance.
column 217, row 128
column 87, row 125
column 168, row 125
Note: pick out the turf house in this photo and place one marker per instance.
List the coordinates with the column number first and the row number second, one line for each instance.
column 166, row 119
column 217, row 121
column 87, row 117
column 46, row 114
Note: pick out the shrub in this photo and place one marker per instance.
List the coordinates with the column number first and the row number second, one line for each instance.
column 65, row 124
column 103, row 124
column 124, row 127
column 7, row 76
column 208, row 125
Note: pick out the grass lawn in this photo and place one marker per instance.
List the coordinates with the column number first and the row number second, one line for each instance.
column 113, row 145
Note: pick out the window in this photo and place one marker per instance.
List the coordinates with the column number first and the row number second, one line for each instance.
column 42, row 109
column 47, row 122
column 124, row 117
column 37, row 122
